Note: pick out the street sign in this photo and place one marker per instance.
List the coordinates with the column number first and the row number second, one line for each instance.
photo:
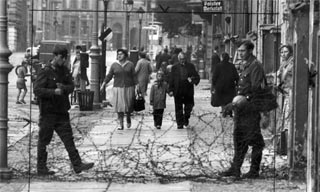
column 214, row 6
column 105, row 34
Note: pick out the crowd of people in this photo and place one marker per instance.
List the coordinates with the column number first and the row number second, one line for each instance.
column 233, row 90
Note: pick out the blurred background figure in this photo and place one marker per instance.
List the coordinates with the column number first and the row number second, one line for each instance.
column 224, row 81
column 143, row 71
column 215, row 60
column 21, row 72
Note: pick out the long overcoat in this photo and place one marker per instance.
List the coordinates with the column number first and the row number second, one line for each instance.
column 224, row 83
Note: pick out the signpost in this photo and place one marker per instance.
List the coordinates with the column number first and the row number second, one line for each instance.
column 213, row 6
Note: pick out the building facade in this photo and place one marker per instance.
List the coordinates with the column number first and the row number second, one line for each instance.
column 17, row 25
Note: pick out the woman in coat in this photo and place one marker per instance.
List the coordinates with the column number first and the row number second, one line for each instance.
column 123, row 72
column 284, row 83
column 224, row 81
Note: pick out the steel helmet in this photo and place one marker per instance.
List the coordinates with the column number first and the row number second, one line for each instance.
column 239, row 101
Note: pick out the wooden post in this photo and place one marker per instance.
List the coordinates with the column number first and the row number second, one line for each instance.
column 316, row 105
column 300, row 91
column 310, row 155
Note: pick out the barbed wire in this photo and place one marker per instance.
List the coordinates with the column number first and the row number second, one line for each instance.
column 203, row 150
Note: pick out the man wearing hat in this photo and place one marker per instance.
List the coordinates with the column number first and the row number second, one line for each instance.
column 52, row 87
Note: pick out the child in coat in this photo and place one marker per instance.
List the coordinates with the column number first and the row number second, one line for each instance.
column 158, row 98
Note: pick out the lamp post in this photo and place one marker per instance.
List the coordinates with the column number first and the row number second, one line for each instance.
column 140, row 14
column 95, row 56
column 126, row 37
column 104, row 49
column 5, row 68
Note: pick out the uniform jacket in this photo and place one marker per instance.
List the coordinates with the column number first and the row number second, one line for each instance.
column 44, row 88
column 158, row 95
column 251, row 77
column 175, row 81
column 124, row 75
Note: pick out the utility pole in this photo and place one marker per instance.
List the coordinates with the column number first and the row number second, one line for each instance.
column 5, row 68
column 95, row 57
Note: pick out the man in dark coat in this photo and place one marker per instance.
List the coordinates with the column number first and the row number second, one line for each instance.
column 247, row 118
column 164, row 57
column 215, row 60
column 224, row 81
column 183, row 77
column 52, row 87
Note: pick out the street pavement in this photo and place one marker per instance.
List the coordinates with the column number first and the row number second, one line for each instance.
column 140, row 158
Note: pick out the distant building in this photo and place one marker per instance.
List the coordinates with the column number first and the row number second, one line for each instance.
column 17, row 25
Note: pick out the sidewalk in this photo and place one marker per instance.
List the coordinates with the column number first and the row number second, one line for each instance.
column 141, row 158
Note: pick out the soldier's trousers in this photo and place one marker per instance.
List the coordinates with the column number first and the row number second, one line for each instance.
column 61, row 125
column 247, row 133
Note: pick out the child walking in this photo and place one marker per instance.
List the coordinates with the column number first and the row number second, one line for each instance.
column 158, row 98
column 21, row 72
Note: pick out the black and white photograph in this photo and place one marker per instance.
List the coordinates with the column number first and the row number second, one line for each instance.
column 159, row 95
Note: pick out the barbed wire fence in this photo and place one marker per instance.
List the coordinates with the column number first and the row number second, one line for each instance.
column 147, row 154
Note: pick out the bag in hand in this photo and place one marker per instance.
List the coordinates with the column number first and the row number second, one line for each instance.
column 139, row 103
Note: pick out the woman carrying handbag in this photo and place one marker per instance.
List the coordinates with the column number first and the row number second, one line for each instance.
column 123, row 72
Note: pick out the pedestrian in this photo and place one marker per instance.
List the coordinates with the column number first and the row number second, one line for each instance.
column 158, row 95
column 143, row 71
column 284, row 82
column 174, row 57
column 123, row 72
column 84, row 64
column 21, row 72
column 215, row 60
column 164, row 58
column 224, row 81
column 157, row 59
column 183, row 77
column 247, row 130
column 52, row 87
column 75, row 71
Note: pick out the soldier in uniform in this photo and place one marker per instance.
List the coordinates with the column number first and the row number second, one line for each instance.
column 52, row 87
column 247, row 130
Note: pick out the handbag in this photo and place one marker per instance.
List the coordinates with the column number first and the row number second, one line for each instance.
column 138, row 104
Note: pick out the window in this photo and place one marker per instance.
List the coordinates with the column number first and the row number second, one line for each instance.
column 84, row 27
column 73, row 4
column 85, row 4
column 73, row 27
